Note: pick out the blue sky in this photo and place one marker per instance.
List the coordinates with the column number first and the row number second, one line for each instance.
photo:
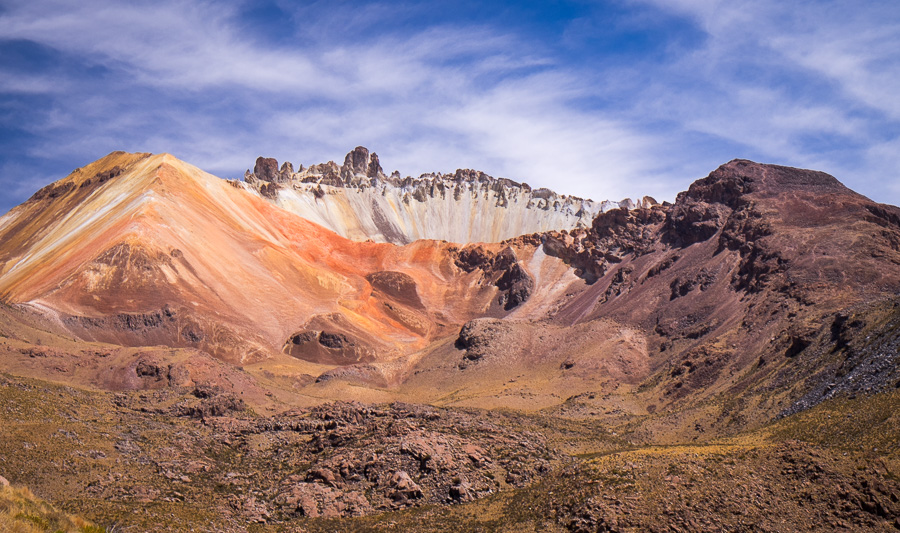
column 598, row 99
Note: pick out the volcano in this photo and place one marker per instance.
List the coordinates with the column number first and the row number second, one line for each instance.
column 336, row 343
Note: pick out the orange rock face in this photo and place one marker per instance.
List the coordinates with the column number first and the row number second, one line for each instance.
column 140, row 248
column 749, row 273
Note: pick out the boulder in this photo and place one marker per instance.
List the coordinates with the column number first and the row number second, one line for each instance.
column 403, row 488
column 266, row 169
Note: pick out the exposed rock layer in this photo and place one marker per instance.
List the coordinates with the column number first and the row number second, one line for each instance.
column 358, row 201
column 761, row 293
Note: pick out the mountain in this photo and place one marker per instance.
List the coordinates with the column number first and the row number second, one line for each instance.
column 356, row 200
column 140, row 250
column 137, row 248
column 293, row 366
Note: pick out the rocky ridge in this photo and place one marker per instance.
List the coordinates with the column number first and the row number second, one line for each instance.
column 698, row 339
column 359, row 201
column 733, row 262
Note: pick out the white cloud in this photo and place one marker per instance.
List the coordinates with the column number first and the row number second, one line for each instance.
column 502, row 103
column 802, row 83
column 29, row 84
column 190, row 79
column 190, row 45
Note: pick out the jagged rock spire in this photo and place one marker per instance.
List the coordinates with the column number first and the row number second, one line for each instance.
column 266, row 169
column 357, row 161
column 374, row 169
column 360, row 162
column 465, row 206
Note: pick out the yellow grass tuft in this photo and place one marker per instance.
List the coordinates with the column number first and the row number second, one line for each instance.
column 22, row 512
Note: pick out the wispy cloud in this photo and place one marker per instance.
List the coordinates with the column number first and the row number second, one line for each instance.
column 805, row 83
column 600, row 103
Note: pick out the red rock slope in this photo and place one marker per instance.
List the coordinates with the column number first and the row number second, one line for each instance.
column 141, row 249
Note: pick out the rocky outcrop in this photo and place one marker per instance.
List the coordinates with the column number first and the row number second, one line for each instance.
column 613, row 236
column 374, row 169
column 360, row 163
column 503, row 270
column 211, row 401
column 515, row 283
column 477, row 336
column 266, row 169
column 762, row 255
column 328, row 347
column 397, row 286
column 358, row 201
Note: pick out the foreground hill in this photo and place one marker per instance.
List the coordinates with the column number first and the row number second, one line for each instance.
column 139, row 461
column 685, row 334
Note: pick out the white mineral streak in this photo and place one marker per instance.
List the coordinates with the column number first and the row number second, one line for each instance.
column 361, row 203
column 387, row 214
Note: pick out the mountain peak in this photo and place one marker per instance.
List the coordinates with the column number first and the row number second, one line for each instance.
column 762, row 291
column 93, row 174
column 357, row 201
column 359, row 162
column 738, row 178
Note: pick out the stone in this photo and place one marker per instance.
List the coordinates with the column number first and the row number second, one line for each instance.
column 516, row 287
column 317, row 500
column 399, row 286
column 461, row 491
column 266, row 169
column 374, row 169
column 286, row 172
column 403, row 487
column 356, row 162
column 321, row 474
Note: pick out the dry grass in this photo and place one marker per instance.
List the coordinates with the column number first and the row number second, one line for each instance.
column 23, row 512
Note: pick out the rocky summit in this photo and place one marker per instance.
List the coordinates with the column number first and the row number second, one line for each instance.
column 358, row 201
column 329, row 348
